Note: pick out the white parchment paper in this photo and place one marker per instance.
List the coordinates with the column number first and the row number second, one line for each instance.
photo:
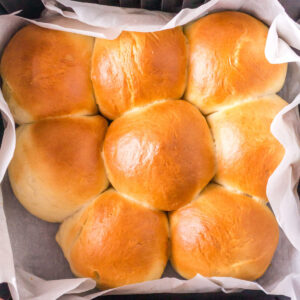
column 31, row 261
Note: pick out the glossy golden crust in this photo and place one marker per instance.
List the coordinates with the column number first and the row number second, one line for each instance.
column 57, row 165
column 223, row 234
column 247, row 152
column 138, row 68
column 115, row 241
column 227, row 61
column 46, row 73
column 161, row 154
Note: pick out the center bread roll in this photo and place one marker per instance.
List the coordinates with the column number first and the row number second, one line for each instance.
column 161, row 154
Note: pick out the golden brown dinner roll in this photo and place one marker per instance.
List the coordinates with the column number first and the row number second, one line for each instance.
column 161, row 154
column 223, row 234
column 138, row 68
column 46, row 73
column 115, row 241
column 227, row 61
column 247, row 152
column 57, row 165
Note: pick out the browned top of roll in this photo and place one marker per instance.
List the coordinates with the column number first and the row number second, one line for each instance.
column 227, row 61
column 46, row 73
column 247, row 152
column 161, row 154
column 116, row 241
column 223, row 234
column 138, row 68
column 57, row 165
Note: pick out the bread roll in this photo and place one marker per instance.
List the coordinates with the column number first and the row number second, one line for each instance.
column 227, row 61
column 115, row 241
column 161, row 154
column 138, row 68
column 223, row 234
column 46, row 73
column 247, row 152
column 57, row 165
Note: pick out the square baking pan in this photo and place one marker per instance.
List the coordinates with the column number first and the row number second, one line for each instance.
column 33, row 8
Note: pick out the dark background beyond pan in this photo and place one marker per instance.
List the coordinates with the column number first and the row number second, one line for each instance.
column 33, row 8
